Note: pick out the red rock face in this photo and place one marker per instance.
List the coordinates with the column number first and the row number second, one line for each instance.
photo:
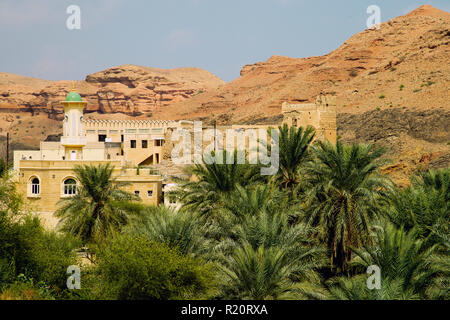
column 127, row 89
column 391, row 87
column 403, row 64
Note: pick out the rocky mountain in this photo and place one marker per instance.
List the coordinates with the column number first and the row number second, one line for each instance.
column 391, row 85
column 404, row 64
column 128, row 89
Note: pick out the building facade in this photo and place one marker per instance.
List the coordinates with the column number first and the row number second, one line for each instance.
column 46, row 176
column 136, row 149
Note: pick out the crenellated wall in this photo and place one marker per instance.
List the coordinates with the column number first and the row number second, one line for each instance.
column 321, row 115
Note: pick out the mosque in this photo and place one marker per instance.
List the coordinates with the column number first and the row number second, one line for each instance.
column 134, row 147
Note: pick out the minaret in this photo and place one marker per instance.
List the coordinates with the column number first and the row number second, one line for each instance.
column 73, row 116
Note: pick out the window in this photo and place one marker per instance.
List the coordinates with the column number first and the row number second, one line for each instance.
column 136, row 193
column 133, row 144
column 150, row 193
column 144, row 144
column 70, row 187
column 158, row 143
column 35, row 186
column 121, row 138
column 101, row 137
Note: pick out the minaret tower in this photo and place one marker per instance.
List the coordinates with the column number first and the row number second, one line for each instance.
column 72, row 138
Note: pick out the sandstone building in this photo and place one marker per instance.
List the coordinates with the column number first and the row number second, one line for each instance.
column 136, row 149
column 321, row 115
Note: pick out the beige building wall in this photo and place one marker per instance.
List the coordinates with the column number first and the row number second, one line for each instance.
column 321, row 115
column 52, row 175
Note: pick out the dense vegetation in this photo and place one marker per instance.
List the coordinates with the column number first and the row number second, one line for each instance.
column 311, row 232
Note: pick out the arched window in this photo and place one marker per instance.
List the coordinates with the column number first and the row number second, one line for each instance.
column 70, row 187
column 35, row 186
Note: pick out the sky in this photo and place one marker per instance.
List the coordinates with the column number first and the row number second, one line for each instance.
column 220, row 36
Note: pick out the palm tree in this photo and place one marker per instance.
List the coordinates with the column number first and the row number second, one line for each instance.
column 437, row 180
column 344, row 188
column 99, row 208
column 355, row 288
column 404, row 258
column 424, row 205
column 294, row 143
column 211, row 182
column 258, row 274
column 185, row 231
column 258, row 240
column 418, row 207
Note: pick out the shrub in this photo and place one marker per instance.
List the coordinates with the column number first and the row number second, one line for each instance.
column 24, row 288
column 137, row 268
column 26, row 248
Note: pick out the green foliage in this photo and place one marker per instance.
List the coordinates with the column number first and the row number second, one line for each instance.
column 100, row 206
column 137, row 268
column 184, row 231
column 259, row 274
column 240, row 235
column 294, row 143
column 24, row 288
column 424, row 205
column 213, row 182
column 355, row 288
column 3, row 168
column 344, row 188
column 402, row 257
column 26, row 248
column 261, row 254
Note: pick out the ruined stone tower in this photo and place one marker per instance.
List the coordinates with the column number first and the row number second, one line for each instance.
column 321, row 115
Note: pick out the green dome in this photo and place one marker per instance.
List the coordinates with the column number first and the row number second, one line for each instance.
column 73, row 96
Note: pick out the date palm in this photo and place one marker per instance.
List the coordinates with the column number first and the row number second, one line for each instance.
column 425, row 205
column 211, row 182
column 183, row 230
column 344, row 188
column 259, row 274
column 355, row 288
column 262, row 254
column 404, row 258
column 294, row 144
column 100, row 206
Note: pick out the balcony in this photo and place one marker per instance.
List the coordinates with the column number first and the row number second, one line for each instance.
column 73, row 141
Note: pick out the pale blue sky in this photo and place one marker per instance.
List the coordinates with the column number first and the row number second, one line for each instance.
column 217, row 35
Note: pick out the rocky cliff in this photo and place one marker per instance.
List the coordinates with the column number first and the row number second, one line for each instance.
column 391, row 85
column 127, row 89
